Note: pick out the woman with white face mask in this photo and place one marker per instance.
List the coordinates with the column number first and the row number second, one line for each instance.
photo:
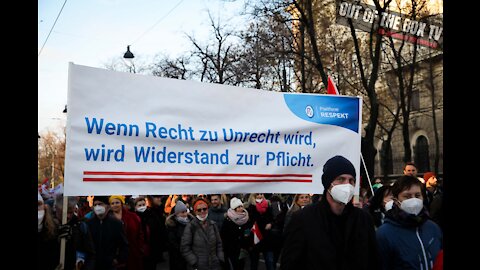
column 48, row 246
column 380, row 203
column 201, row 245
column 331, row 233
column 408, row 239
column 175, row 225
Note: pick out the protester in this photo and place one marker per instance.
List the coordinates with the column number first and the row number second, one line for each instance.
column 236, row 235
column 408, row 239
column 133, row 229
column 175, row 225
column 261, row 216
column 158, row 231
column 332, row 233
column 411, row 169
column 379, row 204
column 216, row 211
column 48, row 245
column 279, row 212
column 79, row 246
column 299, row 202
column 201, row 244
column 434, row 198
column 146, row 218
column 111, row 244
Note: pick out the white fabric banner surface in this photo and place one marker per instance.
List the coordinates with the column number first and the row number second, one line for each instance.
column 134, row 134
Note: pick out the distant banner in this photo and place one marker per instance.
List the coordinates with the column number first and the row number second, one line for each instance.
column 425, row 32
column 142, row 135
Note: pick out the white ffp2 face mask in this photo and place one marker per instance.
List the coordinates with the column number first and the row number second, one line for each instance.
column 388, row 205
column 141, row 209
column 99, row 210
column 202, row 218
column 342, row 193
column 412, row 206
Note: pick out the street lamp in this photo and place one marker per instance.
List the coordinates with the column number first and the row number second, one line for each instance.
column 128, row 56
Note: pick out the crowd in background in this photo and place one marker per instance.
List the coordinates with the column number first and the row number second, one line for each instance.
column 220, row 231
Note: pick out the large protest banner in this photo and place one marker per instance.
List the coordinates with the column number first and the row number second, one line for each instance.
column 134, row 134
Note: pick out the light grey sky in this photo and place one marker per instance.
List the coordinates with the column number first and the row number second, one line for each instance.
column 93, row 32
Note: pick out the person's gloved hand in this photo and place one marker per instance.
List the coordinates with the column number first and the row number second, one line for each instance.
column 65, row 231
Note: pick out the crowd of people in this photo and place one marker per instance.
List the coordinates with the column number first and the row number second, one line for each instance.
column 399, row 226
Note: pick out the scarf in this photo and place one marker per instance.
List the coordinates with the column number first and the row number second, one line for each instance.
column 406, row 219
column 262, row 206
column 238, row 218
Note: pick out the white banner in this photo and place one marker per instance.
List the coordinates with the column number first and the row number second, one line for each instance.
column 134, row 134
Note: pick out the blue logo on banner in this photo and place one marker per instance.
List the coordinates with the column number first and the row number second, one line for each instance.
column 339, row 111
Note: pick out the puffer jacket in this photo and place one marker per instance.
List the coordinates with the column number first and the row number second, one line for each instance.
column 202, row 247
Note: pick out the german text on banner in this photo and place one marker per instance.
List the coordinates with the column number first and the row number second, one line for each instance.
column 134, row 134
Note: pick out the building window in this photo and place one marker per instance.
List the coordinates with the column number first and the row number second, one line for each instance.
column 415, row 100
column 386, row 159
column 422, row 159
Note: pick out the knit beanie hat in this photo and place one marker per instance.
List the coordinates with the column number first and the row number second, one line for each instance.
column 427, row 175
column 235, row 202
column 179, row 207
column 334, row 167
column 197, row 202
column 118, row 197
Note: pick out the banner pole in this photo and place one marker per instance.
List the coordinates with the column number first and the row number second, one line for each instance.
column 62, row 240
column 366, row 172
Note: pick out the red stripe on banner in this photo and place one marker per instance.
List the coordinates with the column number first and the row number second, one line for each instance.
column 195, row 174
column 113, row 179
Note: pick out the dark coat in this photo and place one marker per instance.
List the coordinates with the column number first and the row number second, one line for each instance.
column 217, row 215
column 175, row 232
column 266, row 244
column 48, row 250
column 234, row 238
column 110, row 242
column 316, row 238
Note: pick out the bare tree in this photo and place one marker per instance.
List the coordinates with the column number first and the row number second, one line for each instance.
column 177, row 68
column 219, row 57
column 51, row 156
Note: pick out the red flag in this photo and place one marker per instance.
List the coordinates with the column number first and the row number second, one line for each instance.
column 257, row 235
column 331, row 88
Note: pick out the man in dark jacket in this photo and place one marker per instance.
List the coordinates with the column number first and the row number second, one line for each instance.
column 331, row 233
column 216, row 211
column 111, row 244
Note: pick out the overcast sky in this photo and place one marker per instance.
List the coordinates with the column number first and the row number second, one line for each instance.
column 93, row 32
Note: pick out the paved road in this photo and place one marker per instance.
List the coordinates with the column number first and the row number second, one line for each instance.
column 261, row 264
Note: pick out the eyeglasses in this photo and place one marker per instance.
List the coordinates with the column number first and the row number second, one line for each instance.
column 201, row 209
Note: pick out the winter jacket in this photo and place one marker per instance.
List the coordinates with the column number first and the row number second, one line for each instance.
column 217, row 215
column 202, row 247
column 175, row 231
column 316, row 238
column 110, row 242
column 408, row 247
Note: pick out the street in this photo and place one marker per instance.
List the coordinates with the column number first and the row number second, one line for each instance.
column 261, row 264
